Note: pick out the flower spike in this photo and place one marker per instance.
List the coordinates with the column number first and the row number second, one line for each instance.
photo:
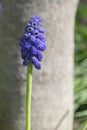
column 33, row 42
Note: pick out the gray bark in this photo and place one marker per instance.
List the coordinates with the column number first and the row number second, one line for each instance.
column 52, row 95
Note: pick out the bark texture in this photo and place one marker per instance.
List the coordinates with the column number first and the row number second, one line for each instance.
column 52, row 97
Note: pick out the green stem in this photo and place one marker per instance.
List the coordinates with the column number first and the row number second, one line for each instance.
column 28, row 97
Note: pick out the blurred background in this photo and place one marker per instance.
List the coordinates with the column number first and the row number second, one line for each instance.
column 80, row 79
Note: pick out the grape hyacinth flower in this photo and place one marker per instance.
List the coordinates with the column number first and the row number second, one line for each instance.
column 33, row 42
column 0, row 9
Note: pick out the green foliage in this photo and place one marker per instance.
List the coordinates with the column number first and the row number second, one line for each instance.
column 81, row 64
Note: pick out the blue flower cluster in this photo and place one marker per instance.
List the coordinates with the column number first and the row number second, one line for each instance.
column 33, row 42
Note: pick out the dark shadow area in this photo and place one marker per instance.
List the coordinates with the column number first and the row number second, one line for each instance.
column 10, row 30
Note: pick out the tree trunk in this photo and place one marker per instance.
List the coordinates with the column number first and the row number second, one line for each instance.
column 52, row 95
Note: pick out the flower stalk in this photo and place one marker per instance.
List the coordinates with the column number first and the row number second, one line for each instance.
column 28, row 96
